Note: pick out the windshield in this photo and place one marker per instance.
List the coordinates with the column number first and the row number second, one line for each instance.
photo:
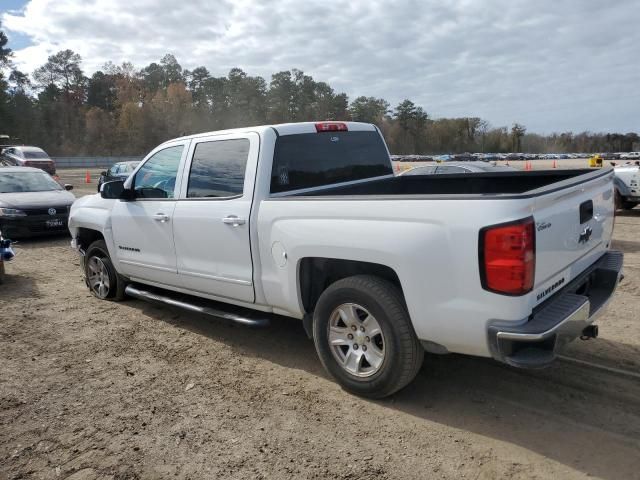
column 38, row 154
column 15, row 182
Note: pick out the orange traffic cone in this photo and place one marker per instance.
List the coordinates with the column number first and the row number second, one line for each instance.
column 554, row 163
column 87, row 177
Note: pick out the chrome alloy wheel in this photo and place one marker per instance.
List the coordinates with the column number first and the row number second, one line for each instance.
column 356, row 340
column 98, row 277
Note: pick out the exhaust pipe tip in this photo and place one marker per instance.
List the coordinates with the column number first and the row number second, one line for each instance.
column 589, row 332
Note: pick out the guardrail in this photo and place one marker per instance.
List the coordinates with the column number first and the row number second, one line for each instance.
column 91, row 162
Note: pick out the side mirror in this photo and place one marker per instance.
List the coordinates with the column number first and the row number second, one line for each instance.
column 115, row 190
column 68, row 187
column 104, row 174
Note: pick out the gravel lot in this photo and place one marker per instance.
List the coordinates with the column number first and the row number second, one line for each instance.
column 92, row 389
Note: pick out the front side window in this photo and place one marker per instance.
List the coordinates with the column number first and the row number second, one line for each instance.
column 157, row 177
column 113, row 170
column 218, row 169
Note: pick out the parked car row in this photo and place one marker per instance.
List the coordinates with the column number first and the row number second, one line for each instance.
column 457, row 167
column 458, row 157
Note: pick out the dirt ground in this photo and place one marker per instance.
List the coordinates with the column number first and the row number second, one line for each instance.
column 99, row 390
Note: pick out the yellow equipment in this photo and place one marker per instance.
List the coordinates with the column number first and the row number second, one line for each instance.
column 595, row 161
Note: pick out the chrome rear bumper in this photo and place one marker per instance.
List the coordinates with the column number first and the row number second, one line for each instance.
column 559, row 320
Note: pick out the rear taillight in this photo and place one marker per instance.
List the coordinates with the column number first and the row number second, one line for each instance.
column 331, row 127
column 508, row 257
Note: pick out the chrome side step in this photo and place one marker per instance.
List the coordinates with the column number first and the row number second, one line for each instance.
column 198, row 306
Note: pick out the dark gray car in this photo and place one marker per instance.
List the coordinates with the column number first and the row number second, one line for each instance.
column 118, row 171
column 457, row 167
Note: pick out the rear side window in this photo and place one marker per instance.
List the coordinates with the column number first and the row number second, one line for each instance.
column 218, row 168
column 317, row 159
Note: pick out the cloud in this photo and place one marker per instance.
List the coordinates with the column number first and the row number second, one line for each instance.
column 552, row 65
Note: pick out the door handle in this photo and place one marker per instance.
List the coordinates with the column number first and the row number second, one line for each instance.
column 161, row 217
column 233, row 220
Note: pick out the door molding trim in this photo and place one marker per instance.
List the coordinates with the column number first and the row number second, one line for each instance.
column 235, row 281
column 145, row 265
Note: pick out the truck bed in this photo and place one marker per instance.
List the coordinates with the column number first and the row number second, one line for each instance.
column 521, row 184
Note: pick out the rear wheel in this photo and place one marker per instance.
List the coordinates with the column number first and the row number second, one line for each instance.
column 103, row 280
column 364, row 337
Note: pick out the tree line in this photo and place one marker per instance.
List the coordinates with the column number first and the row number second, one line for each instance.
column 123, row 110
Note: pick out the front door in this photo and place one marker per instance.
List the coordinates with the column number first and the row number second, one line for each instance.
column 211, row 226
column 143, row 227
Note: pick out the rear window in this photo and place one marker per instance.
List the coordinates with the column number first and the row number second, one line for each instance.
column 35, row 154
column 316, row 159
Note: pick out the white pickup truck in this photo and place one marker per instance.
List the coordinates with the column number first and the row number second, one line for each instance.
column 627, row 183
column 308, row 220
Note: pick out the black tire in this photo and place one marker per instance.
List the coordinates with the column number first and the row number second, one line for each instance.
column 618, row 200
column 117, row 283
column 1, row 273
column 628, row 205
column 403, row 353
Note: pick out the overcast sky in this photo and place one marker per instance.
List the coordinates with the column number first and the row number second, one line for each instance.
column 553, row 65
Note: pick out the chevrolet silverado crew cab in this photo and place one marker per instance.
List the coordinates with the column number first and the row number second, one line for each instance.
column 309, row 221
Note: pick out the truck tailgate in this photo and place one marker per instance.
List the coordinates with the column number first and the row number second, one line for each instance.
column 573, row 229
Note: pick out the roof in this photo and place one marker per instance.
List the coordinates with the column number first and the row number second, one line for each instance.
column 282, row 129
column 20, row 170
column 27, row 148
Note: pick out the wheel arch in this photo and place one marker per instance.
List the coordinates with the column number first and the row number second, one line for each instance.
column 86, row 236
column 315, row 274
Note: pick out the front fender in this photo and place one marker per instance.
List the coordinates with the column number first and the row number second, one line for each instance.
column 94, row 213
column 621, row 187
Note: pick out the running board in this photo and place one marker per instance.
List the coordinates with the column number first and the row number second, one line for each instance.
column 197, row 305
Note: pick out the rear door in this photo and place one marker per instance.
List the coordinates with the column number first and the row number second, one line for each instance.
column 211, row 227
column 573, row 229
column 143, row 227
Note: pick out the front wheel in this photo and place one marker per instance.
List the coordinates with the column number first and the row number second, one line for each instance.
column 103, row 280
column 364, row 336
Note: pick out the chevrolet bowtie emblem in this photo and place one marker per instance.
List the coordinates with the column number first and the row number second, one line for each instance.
column 585, row 235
